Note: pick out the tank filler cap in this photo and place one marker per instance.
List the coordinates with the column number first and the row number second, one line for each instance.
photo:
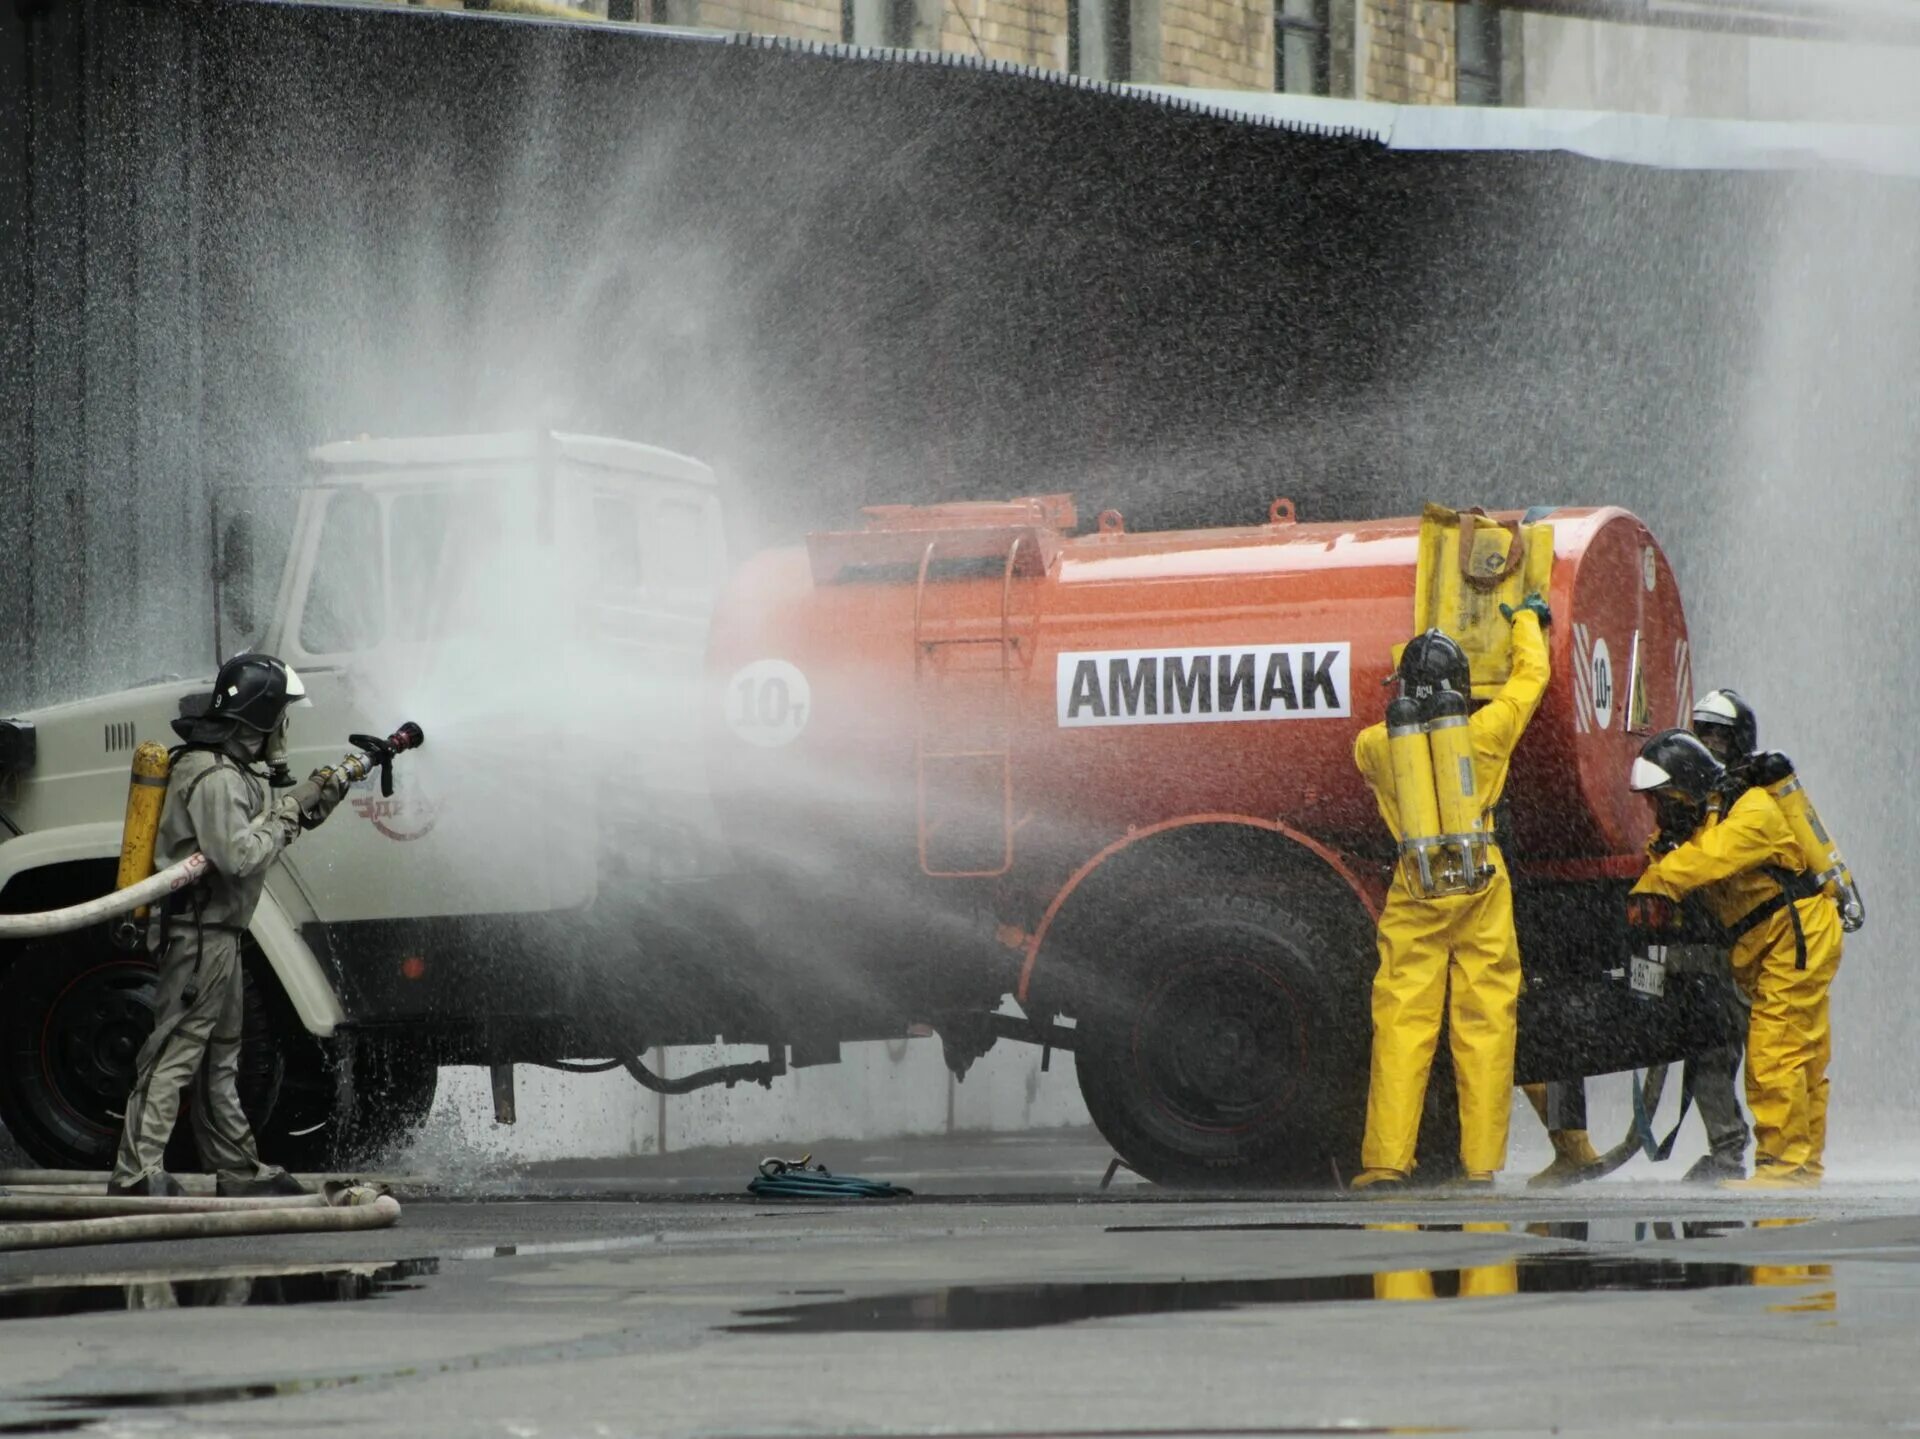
column 1281, row 512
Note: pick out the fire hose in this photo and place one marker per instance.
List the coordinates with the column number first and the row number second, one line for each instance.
column 93, row 911
column 802, row 1179
column 58, row 1220
column 137, row 886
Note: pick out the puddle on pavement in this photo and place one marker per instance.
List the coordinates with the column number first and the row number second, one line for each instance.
column 610, row 1245
column 1613, row 1231
column 1038, row 1306
column 317, row 1286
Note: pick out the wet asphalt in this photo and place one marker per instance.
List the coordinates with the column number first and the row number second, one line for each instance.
column 1011, row 1295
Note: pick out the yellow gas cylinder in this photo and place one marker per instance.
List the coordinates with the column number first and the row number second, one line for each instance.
column 146, row 794
column 1818, row 852
column 1413, row 793
column 1454, row 783
column 1457, row 788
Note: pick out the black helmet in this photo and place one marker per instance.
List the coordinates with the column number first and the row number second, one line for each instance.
column 1430, row 663
column 252, row 691
column 1727, row 725
column 1681, row 776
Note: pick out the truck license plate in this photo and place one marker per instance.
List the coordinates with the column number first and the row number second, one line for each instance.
column 1647, row 976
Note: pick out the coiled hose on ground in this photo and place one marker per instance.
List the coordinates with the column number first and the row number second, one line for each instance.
column 796, row 1179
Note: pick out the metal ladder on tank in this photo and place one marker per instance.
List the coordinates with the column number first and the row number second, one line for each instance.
column 931, row 746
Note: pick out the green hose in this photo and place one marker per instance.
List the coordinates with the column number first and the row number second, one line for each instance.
column 797, row 1179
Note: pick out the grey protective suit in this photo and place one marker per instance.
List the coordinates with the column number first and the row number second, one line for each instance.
column 222, row 806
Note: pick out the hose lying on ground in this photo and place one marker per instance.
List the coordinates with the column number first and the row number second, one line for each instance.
column 107, row 1206
column 79, row 916
column 351, row 1208
column 797, row 1179
column 93, row 1181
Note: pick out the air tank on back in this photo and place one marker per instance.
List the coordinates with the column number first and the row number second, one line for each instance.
column 956, row 692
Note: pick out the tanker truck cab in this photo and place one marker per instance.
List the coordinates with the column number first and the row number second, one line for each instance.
column 467, row 582
column 538, row 596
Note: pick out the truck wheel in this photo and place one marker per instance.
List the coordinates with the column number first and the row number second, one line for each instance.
column 74, row 1011
column 1228, row 1041
column 347, row 1104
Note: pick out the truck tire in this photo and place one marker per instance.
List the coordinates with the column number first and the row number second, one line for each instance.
column 74, row 1011
column 348, row 1104
column 1226, row 1040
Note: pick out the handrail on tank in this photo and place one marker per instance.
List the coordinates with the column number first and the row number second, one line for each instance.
column 1004, row 753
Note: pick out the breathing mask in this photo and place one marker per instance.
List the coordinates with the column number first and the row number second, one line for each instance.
column 273, row 751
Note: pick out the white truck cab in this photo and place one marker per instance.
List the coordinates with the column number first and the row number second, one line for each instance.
column 539, row 602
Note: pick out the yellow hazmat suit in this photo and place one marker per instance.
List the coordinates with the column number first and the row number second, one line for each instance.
column 1785, row 975
column 1456, row 954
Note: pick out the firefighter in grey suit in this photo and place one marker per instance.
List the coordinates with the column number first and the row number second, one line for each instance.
column 221, row 801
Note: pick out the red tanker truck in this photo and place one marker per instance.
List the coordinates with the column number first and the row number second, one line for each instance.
column 967, row 768
column 964, row 753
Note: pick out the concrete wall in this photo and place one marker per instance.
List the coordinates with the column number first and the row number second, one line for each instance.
column 878, row 1090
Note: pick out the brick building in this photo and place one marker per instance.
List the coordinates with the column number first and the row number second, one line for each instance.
column 1405, row 52
column 1398, row 51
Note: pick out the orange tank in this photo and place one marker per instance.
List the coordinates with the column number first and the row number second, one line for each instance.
column 972, row 692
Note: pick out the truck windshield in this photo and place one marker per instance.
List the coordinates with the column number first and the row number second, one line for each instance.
column 346, row 598
column 445, row 552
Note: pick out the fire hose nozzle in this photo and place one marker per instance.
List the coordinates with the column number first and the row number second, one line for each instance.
column 378, row 753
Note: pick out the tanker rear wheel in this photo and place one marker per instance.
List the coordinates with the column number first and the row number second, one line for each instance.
column 1228, row 1043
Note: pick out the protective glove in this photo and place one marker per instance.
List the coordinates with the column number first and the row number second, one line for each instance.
column 1652, row 912
column 1531, row 602
column 317, row 795
column 286, row 810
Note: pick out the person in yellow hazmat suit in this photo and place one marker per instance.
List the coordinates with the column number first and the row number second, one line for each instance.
column 1452, row 954
column 1786, row 937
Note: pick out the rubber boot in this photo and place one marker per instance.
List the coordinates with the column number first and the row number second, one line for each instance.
column 1573, row 1156
column 1380, row 1181
column 1712, row 1169
column 1774, row 1176
column 280, row 1185
column 157, row 1185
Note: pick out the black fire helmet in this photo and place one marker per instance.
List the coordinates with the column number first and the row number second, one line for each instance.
column 1430, row 663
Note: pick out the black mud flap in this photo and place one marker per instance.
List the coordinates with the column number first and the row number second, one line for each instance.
column 1576, row 1028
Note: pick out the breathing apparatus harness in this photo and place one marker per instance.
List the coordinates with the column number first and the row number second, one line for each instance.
column 1445, row 838
column 1767, row 771
column 195, row 894
column 374, row 753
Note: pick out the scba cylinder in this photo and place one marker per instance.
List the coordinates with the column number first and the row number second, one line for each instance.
column 1412, row 758
column 1443, row 841
column 1818, row 851
column 146, row 795
column 1451, row 739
